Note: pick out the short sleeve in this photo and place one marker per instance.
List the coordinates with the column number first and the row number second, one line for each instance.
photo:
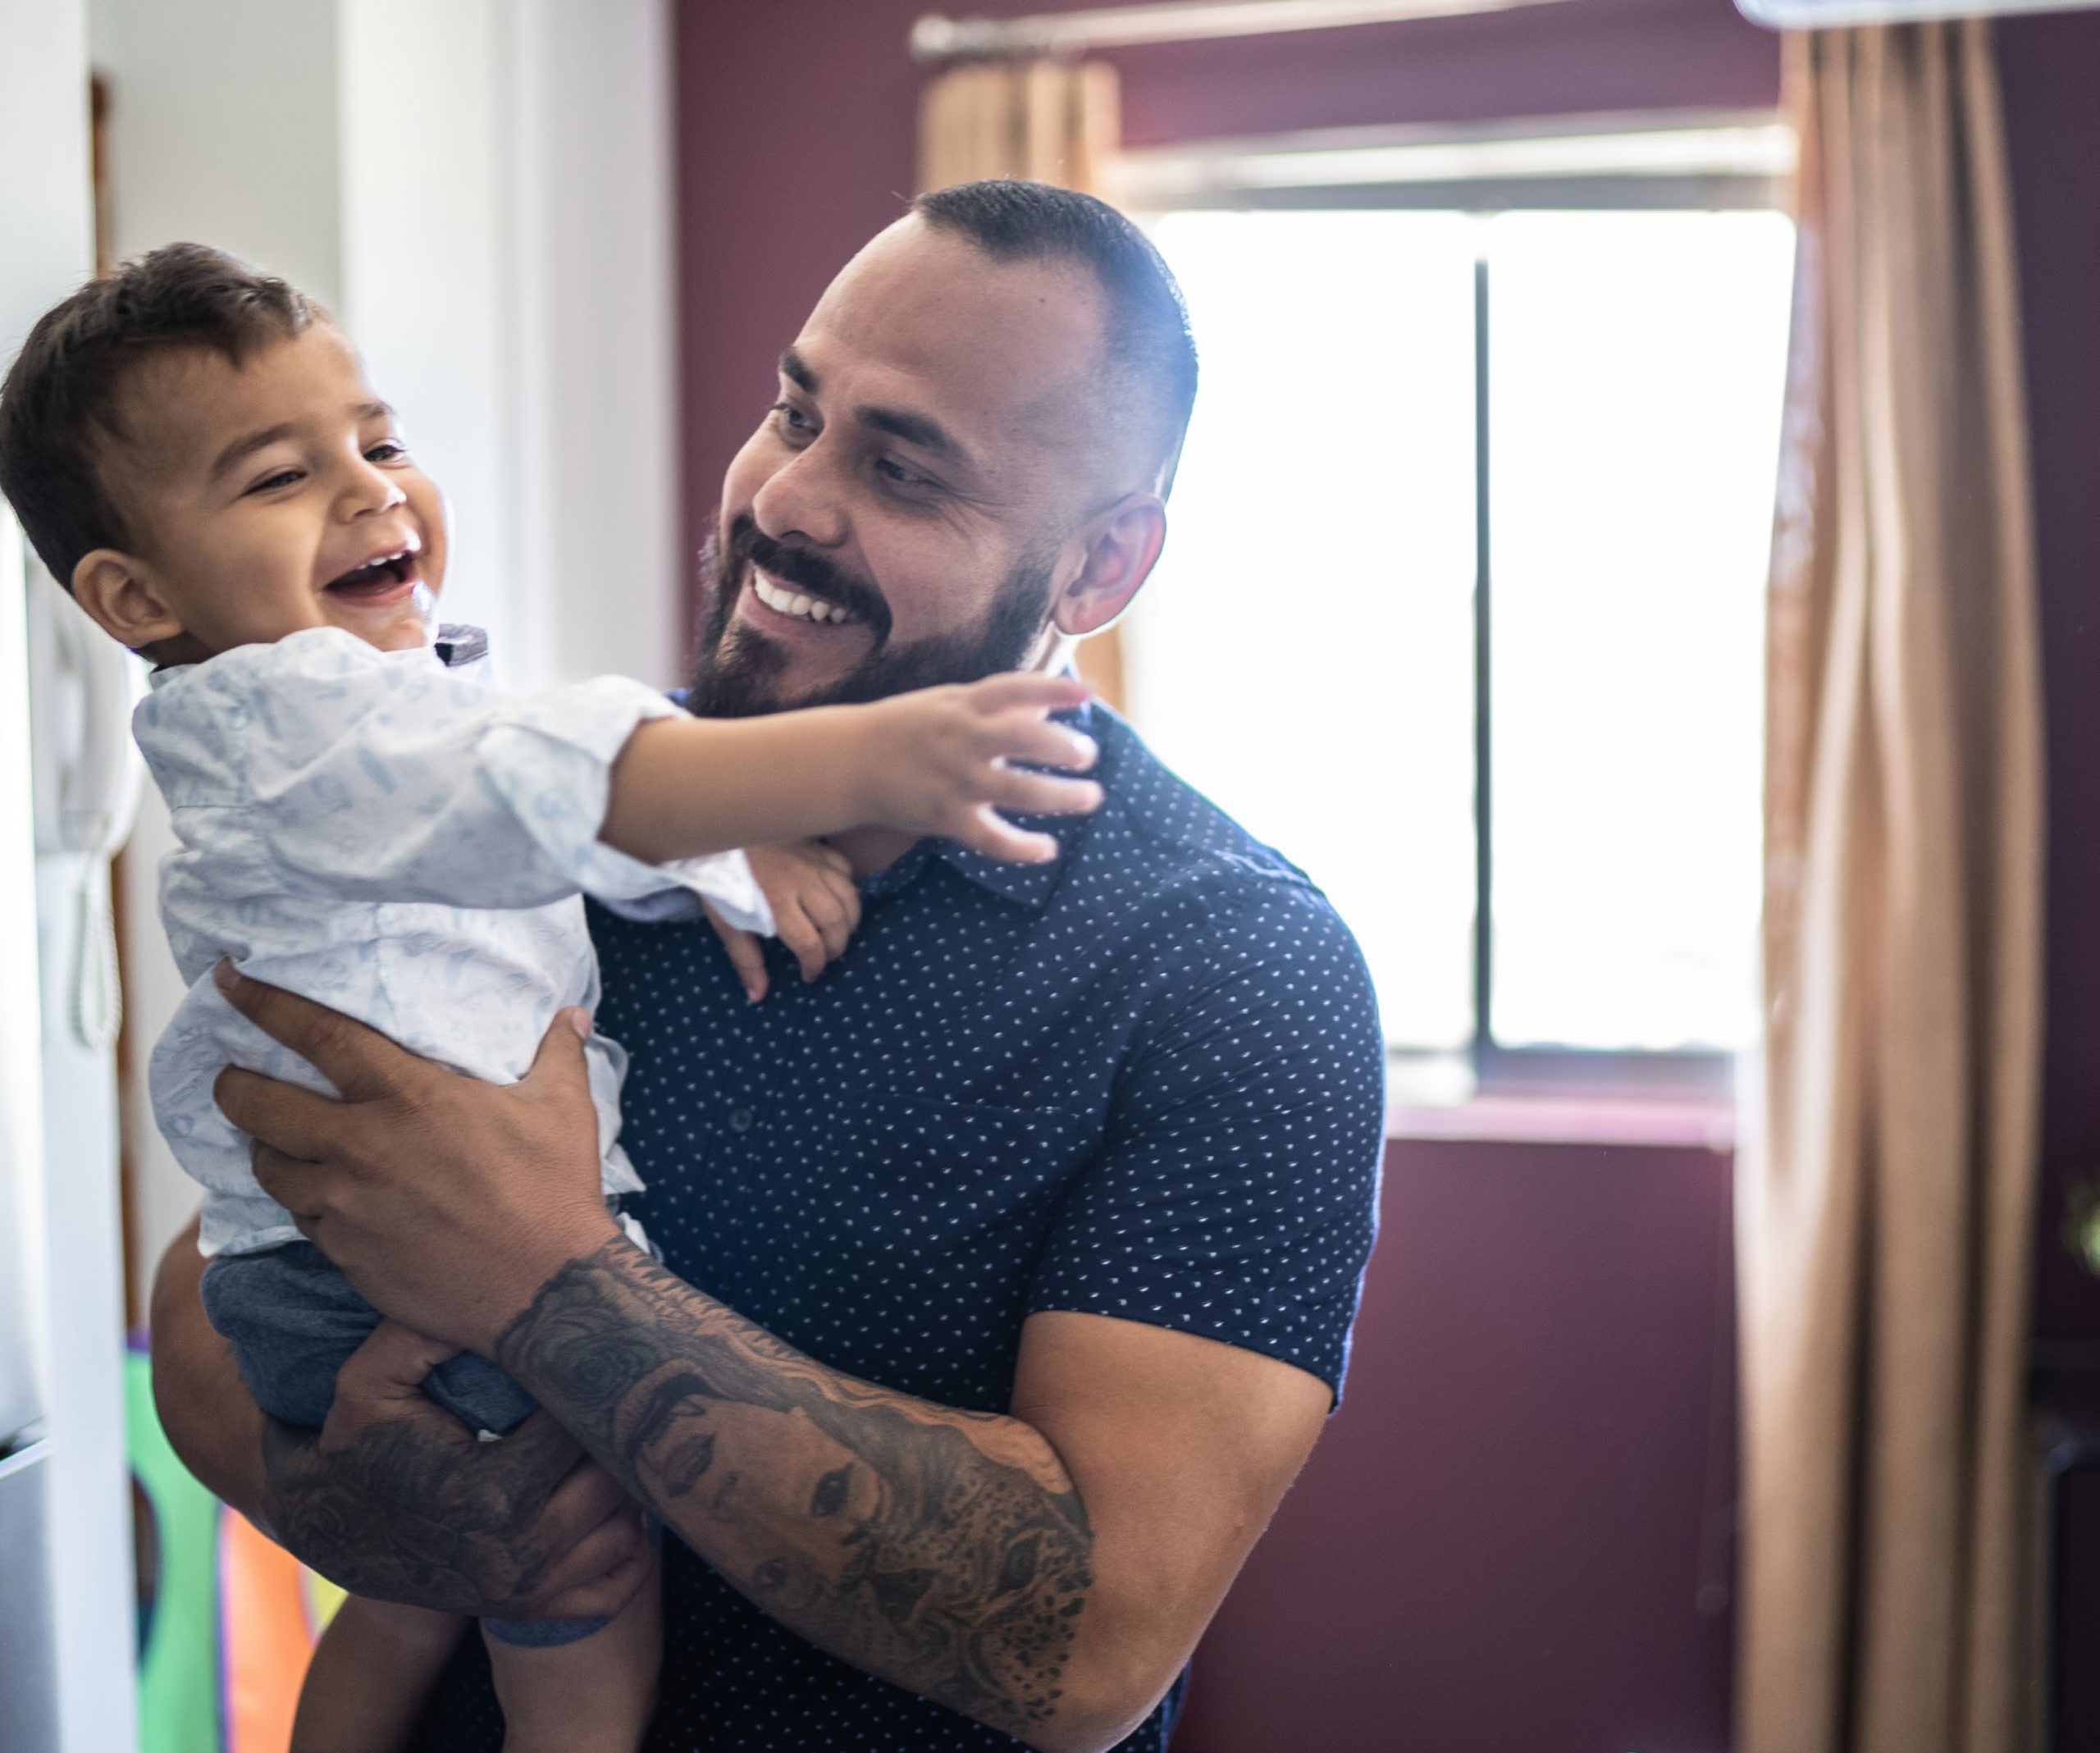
column 1236, row 1196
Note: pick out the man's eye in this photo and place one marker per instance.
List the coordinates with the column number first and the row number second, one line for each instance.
column 792, row 417
column 899, row 476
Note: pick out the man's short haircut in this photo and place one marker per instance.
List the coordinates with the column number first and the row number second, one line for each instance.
column 61, row 404
column 1150, row 350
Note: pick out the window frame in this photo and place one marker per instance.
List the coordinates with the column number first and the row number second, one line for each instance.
column 1728, row 160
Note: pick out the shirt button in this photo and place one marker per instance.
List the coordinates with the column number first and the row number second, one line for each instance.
column 741, row 1119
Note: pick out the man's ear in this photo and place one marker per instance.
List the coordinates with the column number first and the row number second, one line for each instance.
column 1120, row 545
column 121, row 599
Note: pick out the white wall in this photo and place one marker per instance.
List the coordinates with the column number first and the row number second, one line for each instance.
column 481, row 191
column 428, row 293
column 57, row 1099
column 225, row 130
column 597, row 498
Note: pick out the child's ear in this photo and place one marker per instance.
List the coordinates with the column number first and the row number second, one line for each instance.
column 122, row 600
column 1121, row 545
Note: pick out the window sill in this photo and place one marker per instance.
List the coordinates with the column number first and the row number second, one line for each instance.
column 1702, row 1122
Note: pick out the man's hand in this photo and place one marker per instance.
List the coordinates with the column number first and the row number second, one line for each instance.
column 816, row 908
column 446, row 1201
column 581, row 1546
column 395, row 1500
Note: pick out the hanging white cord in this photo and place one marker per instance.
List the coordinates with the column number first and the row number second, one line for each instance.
column 86, row 792
column 98, row 998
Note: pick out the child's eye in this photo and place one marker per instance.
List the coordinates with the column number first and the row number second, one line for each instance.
column 283, row 478
column 386, row 450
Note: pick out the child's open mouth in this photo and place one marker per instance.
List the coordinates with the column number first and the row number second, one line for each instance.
column 384, row 576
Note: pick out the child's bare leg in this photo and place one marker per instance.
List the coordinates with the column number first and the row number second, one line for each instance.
column 371, row 1671
column 594, row 1695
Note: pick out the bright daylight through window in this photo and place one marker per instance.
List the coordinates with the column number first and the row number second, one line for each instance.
column 1308, row 655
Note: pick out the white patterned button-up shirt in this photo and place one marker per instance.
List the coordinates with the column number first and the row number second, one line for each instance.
column 383, row 831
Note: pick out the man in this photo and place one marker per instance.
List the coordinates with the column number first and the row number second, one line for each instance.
column 1007, row 1268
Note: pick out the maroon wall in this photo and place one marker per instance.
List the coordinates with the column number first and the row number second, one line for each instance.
column 2051, row 69
column 1516, row 1535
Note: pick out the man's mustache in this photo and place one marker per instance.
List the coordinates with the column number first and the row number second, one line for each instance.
column 812, row 571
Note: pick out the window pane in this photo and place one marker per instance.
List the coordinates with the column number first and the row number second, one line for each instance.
column 1637, row 363
column 1304, row 655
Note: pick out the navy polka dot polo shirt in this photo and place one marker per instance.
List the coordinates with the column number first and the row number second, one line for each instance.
column 1144, row 1081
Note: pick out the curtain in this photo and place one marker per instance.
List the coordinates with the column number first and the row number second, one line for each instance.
column 1050, row 122
column 1886, row 1197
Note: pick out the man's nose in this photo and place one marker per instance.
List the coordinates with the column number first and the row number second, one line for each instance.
column 800, row 500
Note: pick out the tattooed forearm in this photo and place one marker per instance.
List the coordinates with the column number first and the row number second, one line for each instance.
column 945, row 1550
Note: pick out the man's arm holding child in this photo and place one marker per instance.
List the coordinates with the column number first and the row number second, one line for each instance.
column 1046, row 1572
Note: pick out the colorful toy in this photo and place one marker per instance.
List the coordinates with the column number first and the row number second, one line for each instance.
column 227, row 1618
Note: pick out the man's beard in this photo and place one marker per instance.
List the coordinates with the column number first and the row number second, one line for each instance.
column 735, row 674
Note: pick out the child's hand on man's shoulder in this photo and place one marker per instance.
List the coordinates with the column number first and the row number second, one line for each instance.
column 816, row 908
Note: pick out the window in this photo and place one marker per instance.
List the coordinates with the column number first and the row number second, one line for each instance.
column 1463, row 607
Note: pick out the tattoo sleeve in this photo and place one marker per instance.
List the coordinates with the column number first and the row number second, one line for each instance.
column 946, row 1551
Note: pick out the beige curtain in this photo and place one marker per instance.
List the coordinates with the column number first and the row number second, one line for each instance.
column 1050, row 122
column 1885, row 1211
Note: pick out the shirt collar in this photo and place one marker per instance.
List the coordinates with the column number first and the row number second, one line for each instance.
column 456, row 645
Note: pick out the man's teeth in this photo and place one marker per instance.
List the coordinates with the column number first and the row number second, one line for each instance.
column 782, row 600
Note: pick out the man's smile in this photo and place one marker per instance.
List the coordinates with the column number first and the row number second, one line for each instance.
column 792, row 602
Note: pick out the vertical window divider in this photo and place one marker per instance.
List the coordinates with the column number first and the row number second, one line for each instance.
column 1483, row 1035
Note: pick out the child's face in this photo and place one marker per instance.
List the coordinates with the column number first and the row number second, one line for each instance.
column 270, row 497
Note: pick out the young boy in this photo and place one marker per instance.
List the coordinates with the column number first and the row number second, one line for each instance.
column 193, row 450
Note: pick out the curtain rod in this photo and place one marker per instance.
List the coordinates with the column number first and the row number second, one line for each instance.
column 936, row 38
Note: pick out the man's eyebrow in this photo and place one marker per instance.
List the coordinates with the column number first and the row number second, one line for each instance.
column 914, row 429
column 922, row 430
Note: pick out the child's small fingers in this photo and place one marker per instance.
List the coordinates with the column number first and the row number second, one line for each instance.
column 1045, row 794
column 836, row 934
column 847, row 894
column 821, row 898
column 987, row 831
column 1028, row 688
column 804, row 938
column 1043, row 743
column 747, row 956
